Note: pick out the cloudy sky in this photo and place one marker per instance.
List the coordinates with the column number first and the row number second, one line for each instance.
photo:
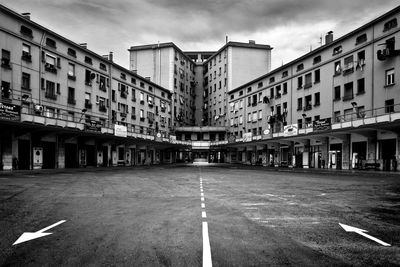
column 291, row 27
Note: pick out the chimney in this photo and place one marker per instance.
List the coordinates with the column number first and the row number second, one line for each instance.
column 26, row 15
column 252, row 42
column 110, row 57
column 83, row 45
column 329, row 37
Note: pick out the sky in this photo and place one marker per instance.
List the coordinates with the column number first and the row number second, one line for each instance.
column 291, row 27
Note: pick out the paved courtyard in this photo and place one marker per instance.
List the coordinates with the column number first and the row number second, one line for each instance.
column 155, row 217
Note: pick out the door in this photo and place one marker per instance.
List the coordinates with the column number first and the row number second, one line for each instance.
column 71, row 156
column 24, row 154
column 49, row 155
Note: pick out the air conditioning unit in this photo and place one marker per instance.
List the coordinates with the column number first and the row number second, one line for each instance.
column 38, row 108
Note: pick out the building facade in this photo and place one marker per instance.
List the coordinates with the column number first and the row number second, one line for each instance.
column 63, row 105
column 335, row 107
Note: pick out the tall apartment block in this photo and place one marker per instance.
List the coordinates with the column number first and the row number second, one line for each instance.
column 205, row 89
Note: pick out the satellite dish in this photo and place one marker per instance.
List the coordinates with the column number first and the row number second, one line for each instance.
column 92, row 75
column 266, row 131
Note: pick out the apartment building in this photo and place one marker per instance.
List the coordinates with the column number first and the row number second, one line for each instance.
column 216, row 73
column 62, row 105
column 335, row 107
column 166, row 65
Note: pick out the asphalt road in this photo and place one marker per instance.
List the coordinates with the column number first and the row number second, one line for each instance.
column 153, row 217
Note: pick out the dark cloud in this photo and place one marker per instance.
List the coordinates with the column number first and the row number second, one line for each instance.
column 200, row 24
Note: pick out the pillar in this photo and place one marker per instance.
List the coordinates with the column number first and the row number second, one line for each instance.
column 346, row 156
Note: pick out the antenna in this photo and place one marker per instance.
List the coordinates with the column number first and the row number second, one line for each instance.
column 320, row 40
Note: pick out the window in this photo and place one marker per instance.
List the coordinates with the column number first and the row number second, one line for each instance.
column 26, row 31
column 300, row 67
column 88, row 100
column 336, row 116
column 389, row 105
column 308, row 102
column 260, row 97
column 299, row 103
column 141, row 98
column 337, row 50
column 278, row 91
column 272, row 80
column 360, row 86
column 348, row 91
column 50, row 42
column 50, row 90
column 317, row 60
column 317, row 76
column 260, row 114
column 300, row 123
column 71, row 70
column 88, row 60
column 142, row 84
column 348, row 65
column 141, row 114
column 271, row 95
column 390, row 24
column 71, row 96
column 133, row 95
column 389, row 77
column 317, row 99
column 249, row 90
column 260, row 84
column 50, row 60
column 123, row 76
column 5, row 58
column 249, row 117
column 88, row 78
column 102, row 83
column 285, row 74
column 254, row 115
column 71, row 52
column 299, row 82
column 5, row 90
column 113, row 99
column 336, row 93
column 308, row 81
column 103, row 66
column 133, row 80
column 241, row 93
column 254, row 100
column 337, row 68
column 26, row 81
column 26, row 53
column 361, row 38
column 284, row 89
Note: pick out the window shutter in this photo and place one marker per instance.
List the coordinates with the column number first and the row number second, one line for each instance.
column 119, row 87
column 97, row 78
column 97, row 99
column 108, row 82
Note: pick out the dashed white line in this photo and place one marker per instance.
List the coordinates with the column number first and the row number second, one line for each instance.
column 202, row 198
column 203, row 206
column 203, row 214
column 206, row 247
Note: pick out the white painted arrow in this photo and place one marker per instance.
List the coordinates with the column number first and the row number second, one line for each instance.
column 348, row 228
column 29, row 235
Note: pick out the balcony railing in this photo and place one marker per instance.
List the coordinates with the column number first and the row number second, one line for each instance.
column 50, row 95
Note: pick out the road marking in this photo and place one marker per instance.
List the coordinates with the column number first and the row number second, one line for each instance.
column 359, row 231
column 203, row 214
column 29, row 235
column 202, row 194
column 203, row 205
column 202, row 199
column 201, row 190
column 206, row 247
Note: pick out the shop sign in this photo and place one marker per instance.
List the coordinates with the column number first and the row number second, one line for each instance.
column 247, row 137
column 172, row 139
column 322, row 125
column 231, row 139
column 120, row 130
column 158, row 137
column 92, row 125
column 10, row 112
column 290, row 130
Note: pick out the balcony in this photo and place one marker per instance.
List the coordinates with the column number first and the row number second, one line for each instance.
column 102, row 108
column 122, row 115
column 26, row 57
column 88, row 105
column 348, row 97
column 307, row 85
column 71, row 101
column 50, row 95
column 71, row 77
column 50, row 68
